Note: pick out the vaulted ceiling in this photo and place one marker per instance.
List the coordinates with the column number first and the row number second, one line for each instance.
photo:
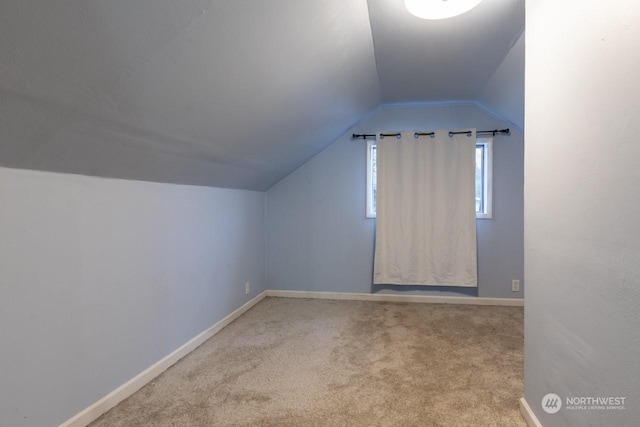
column 230, row 93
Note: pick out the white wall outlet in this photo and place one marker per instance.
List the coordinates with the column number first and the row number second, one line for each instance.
column 515, row 285
column 247, row 288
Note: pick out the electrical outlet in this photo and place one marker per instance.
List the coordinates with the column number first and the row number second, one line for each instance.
column 247, row 288
column 515, row 285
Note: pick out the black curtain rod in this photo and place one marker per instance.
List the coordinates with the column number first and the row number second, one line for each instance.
column 494, row 132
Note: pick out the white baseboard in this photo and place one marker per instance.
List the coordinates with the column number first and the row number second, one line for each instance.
column 527, row 413
column 98, row 408
column 398, row 298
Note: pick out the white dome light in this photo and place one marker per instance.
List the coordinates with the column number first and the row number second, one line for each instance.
column 439, row 9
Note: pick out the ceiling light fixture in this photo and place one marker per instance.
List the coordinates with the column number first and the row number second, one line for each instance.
column 439, row 9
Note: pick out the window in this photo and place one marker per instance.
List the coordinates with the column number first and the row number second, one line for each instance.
column 372, row 182
column 484, row 173
column 483, row 178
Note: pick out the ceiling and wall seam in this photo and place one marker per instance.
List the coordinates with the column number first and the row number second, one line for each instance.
column 375, row 55
column 357, row 127
column 338, row 139
column 70, row 112
column 499, row 116
column 208, row 93
column 500, row 62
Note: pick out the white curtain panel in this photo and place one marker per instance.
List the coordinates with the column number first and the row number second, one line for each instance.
column 426, row 220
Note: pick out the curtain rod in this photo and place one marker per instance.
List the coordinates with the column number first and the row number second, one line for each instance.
column 494, row 132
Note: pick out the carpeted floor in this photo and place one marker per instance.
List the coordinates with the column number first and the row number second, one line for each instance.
column 297, row 362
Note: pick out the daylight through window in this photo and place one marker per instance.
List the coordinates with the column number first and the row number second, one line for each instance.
column 483, row 178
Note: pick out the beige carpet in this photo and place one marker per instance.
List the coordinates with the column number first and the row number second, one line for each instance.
column 297, row 362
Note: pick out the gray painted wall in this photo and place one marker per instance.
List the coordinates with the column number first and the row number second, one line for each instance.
column 582, row 229
column 503, row 93
column 101, row 278
column 318, row 238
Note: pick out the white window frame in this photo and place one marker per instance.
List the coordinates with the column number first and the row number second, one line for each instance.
column 370, row 208
column 370, row 211
column 487, row 142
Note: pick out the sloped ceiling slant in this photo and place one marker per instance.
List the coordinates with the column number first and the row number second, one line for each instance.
column 230, row 94
column 441, row 60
